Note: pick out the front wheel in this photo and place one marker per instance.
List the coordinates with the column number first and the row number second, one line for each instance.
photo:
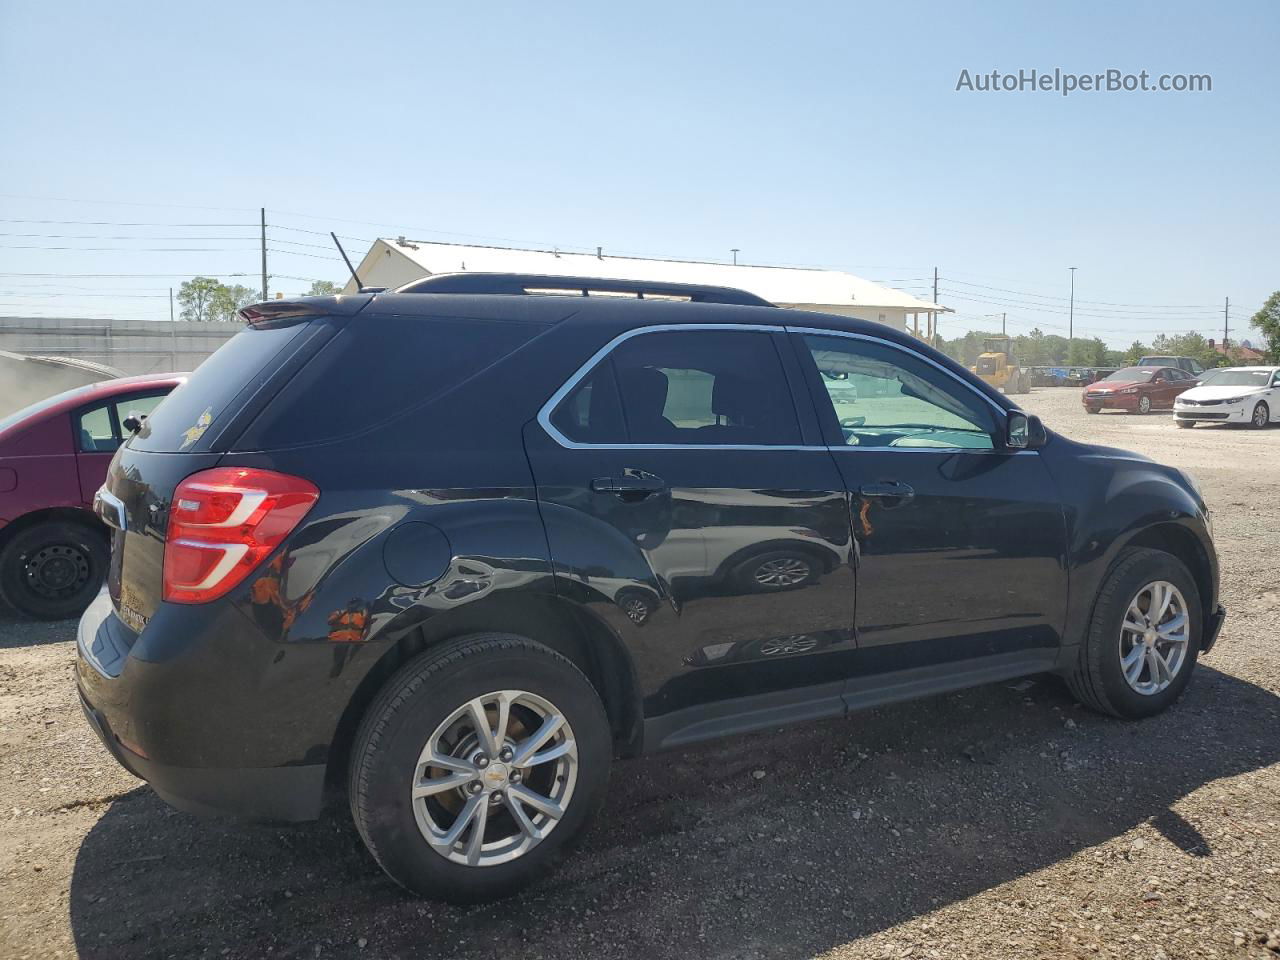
column 1261, row 415
column 1092, row 409
column 1143, row 639
column 477, row 766
column 1185, row 424
column 52, row 570
column 1144, row 404
column 776, row 570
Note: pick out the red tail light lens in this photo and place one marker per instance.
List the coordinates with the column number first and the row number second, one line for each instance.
column 223, row 523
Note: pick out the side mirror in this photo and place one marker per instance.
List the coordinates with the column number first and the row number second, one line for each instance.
column 133, row 422
column 1023, row 432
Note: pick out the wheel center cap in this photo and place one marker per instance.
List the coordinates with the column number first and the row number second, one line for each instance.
column 495, row 776
column 1149, row 638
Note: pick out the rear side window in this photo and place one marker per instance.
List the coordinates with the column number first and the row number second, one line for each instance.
column 188, row 412
column 684, row 387
column 378, row 368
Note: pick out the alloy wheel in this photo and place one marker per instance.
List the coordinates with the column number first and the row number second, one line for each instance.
column 782, row 572
column 1261, row 415
column 1154, row 638
column 1144, row 404
column 495, row 778
column 787, row 646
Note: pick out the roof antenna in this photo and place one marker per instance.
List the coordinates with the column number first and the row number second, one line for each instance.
column 359, row 285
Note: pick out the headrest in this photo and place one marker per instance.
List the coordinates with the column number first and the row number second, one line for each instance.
column 645, row 388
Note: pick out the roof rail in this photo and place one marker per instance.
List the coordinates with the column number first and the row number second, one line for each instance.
column 524, row 284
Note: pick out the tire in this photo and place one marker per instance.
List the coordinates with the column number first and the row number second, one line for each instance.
column 1185, row 424
column 1261, row 416
column 1097, row 679
column 1144, row 404
column 412, row 710
column 775, row 571
column 52, row 570
column 1092, row 409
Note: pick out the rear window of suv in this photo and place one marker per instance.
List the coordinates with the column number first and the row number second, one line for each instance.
column 188, row 412
column 377, row 368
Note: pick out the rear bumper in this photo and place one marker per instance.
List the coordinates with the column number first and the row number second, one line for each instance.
column 189, row 713
column 273, row 793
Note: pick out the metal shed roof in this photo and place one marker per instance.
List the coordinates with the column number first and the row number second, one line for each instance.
column 781, row 285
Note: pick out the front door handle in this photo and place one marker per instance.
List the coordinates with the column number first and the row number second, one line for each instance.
column 630, row 486
column 887, row 490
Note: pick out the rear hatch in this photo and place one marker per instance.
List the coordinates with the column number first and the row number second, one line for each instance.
column 189, row 432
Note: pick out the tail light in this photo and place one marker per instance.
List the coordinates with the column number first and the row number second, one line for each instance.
column 223, row 523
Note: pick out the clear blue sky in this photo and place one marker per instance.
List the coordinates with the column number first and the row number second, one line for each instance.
column 817, row 134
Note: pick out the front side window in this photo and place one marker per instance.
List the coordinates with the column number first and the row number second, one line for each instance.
column 885, row 397
column 684, row 387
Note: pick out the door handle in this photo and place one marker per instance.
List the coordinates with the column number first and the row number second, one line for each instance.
column 888, row 490
column 630, row 486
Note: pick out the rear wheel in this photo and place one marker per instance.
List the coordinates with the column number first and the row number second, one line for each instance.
column 1143, row 639
column 1261, row 415
column 477, row 765
column 50, row 571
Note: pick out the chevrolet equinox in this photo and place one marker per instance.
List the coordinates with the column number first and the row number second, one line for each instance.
column 457, row 547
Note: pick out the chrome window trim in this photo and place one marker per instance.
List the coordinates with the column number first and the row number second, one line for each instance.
column 544, row 413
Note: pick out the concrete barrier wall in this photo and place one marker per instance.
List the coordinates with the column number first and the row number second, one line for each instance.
column 133, row 346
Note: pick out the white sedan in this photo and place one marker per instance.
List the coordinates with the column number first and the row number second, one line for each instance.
column 1232, row 395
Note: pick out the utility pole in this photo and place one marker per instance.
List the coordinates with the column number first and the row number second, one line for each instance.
column 263, row 211
column 1002, row 330
column 171, row 304
column 1070, row 315
column 1226, row 324
column 933, row 316
column 735, row 251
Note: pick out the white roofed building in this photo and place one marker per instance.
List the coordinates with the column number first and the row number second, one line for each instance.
column 394, row 262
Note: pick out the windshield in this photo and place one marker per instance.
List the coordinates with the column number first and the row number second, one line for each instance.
column 1241, row 378
column 1130, row 375
column 1158, row 362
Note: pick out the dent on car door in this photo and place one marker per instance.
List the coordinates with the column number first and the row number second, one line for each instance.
column 708, row 526
column 961, row 542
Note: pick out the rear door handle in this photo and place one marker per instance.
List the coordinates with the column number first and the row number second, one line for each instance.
column 887, row 489
column 630, row 486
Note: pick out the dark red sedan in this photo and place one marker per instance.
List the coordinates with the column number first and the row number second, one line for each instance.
column 1137, row 390
column 53, row 457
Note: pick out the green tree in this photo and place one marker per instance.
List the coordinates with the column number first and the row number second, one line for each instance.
column 196, row 297
column 1080, row 353
column 323, row 288
column 227, row 301
column 1137, row 350
column 1268, row 321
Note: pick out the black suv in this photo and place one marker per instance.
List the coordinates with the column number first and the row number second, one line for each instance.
column 459, row 546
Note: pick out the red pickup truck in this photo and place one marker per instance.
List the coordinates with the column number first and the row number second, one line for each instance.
column 53, row 457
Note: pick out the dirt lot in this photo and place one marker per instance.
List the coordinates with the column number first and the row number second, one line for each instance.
column 1001, row 822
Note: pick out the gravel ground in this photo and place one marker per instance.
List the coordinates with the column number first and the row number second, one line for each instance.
column 1004, row 822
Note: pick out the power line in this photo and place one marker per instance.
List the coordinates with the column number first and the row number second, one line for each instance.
column 1047, row 296
column 117, row 223
column 10, row 246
